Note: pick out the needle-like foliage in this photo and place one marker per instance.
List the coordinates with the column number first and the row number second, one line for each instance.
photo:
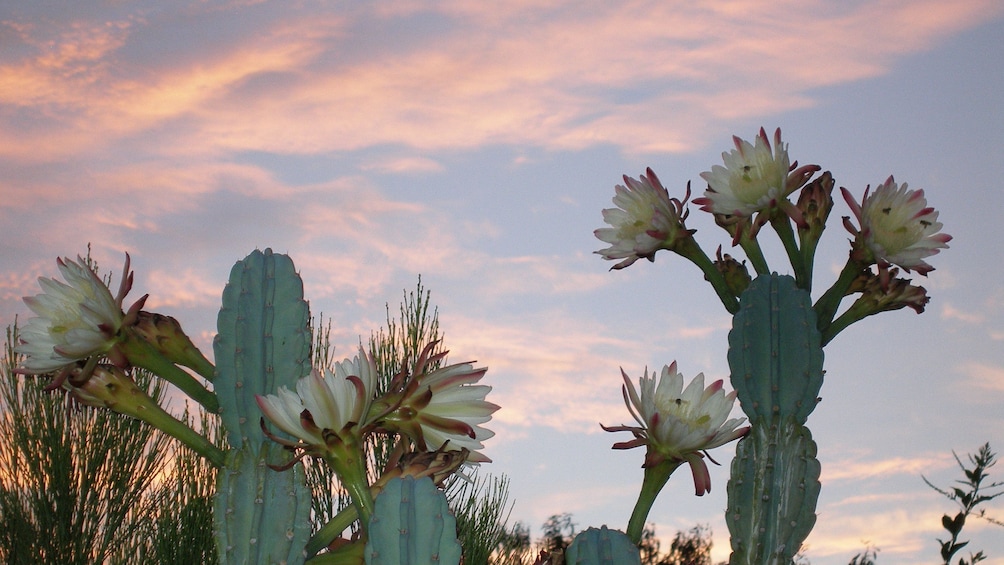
column 74, row 479
column 182, row 529
column 481, row 504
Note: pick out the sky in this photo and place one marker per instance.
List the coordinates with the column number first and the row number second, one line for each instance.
column 475, row 144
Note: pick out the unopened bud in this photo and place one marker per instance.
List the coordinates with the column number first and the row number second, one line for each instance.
column 884, row 292
column 815, row 202
column 164, row 333
column 737, row 277
column 105, row 387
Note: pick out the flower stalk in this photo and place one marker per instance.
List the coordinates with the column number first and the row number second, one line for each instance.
column 142, row 354
column 655, row 479
column 754, row 253
column 827, row 305
column 691, row 250
column 349, row 462
column 782, row 226
column 109, row 387
column 878, row 295
column 330, row 531
column 154, row 415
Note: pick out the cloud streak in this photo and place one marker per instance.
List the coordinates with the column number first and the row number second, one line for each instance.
column 560, row 77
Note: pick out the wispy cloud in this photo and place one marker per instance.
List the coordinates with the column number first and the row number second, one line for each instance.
column 642, row 76
column 564, row 374
column 950, row 312
column 140, row 119
column 560, row 376
column 895, row 531
column 864, row 467
column 984, row 376
column 403, row 165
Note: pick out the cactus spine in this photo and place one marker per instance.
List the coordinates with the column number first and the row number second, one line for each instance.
column 776, row 361
column 602, row 546
column 261, row 515
column 412, row 525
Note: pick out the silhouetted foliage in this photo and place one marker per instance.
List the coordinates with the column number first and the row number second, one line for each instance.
column 972, row 494
column 866, row 557
column 559, row 530
column 687, row 548
column 690, row 548
column 515, row 546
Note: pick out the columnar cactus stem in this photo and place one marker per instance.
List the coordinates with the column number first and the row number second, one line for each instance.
column 602, row 546
column 261, row 515
column 412, row 525
column 776, row 359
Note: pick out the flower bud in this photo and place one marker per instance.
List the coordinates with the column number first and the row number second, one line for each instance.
column 737, row 277
column 815, row 202
column 164, row 333
column 106, row 386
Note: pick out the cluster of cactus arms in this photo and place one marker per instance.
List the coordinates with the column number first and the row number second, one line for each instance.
column 776, row 361
column 778, row 334
column 431, row 417
column 262, row 516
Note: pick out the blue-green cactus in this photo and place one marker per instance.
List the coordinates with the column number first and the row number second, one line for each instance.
column 776, row 360
column 263, row 341
column 772, row 494
column 412, row 525
column 602, row 546
column 774, row 351
column 260, row 515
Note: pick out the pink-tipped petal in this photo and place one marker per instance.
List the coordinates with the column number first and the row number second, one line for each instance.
column 702, row 477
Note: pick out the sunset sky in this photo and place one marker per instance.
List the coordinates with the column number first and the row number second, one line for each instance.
column 475, row 144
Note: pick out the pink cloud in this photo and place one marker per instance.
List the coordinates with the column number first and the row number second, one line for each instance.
column 404, row 165
column 950, row 312
column 181, row 288
column 896, row 531
column 984, row 376
column 861, row 468
column 564, row 374
column 644, row 76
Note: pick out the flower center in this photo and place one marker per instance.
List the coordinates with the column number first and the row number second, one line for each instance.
column 755, row 183
column 892, row 230
column 682, row 411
